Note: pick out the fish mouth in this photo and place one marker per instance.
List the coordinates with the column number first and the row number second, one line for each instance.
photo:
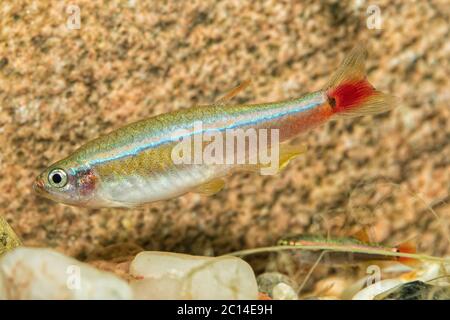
column 39, row 186
column 41, row 190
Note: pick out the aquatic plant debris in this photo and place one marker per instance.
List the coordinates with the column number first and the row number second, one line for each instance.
column 371, row 291
column 8, row 238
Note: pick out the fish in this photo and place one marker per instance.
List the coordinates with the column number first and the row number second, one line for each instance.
column 345, row 256
column 134, row 165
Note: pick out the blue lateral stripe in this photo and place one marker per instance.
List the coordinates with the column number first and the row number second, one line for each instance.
column 242, row 123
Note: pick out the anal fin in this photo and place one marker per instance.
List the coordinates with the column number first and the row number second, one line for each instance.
column 289, row 152
column 286, row 152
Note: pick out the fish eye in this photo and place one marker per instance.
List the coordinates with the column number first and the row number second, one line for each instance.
column 57, row 178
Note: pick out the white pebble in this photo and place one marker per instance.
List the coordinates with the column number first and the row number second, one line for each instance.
column 32, row 273
column 282, row 291
column 167, row 275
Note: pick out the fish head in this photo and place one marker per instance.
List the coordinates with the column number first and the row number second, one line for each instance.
column 67, row 182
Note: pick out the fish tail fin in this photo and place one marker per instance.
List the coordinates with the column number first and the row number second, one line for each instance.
column 407, row 247
column 349, row 92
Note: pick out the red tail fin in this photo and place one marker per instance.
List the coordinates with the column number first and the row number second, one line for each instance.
column 349, row 92
column 407, row 247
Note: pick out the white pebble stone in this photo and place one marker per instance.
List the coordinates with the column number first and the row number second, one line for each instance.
column 282, row 291
column 33, row 273
column 167, row 275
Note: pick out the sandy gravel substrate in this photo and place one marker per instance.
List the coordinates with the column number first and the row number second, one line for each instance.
column 60, row 88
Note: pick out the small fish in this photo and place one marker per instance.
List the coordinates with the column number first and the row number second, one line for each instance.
column 134, row 164
column 347, row 243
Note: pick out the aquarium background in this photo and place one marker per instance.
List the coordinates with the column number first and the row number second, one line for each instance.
column 63, row 83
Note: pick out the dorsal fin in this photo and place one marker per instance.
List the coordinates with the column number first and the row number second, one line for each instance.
column 233, row 92
column 362, row 235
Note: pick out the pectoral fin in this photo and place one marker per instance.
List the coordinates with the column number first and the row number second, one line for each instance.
column 211, row 187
